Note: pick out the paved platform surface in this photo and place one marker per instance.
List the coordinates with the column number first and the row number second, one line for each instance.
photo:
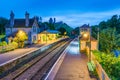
column 4, row 57
column 74, row 66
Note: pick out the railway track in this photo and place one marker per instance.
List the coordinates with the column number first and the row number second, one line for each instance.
column 37, row 68
column 41, row 74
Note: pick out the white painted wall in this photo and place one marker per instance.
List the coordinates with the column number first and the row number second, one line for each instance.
column 27, row 30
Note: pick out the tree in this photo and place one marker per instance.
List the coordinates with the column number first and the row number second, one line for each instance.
column 3, row 43
column 40, row 19
column 54, row 20
column 76, row 31
column 113, row 22
column 109, row 29
column 20, row 37
column 50, row 25
column 3, row 22
column 50, row 20
column 95, row 31
column 15, row 45
column 103, row 25
column 109, row 40
column 62, row 30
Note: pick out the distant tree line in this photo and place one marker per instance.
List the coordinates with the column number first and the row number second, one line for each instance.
column 109, row 38
column 63, row 27
column 109, row 41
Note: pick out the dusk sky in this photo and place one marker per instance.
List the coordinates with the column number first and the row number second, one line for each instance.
column 73, row 12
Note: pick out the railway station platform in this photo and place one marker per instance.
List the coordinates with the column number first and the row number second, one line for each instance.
column 73, row 66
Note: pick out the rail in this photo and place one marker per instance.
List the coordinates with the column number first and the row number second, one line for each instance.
column 10, row 66
column 31, row 62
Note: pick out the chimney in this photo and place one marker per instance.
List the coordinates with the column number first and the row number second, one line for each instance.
column 41, row 19
column 36, row 19
column 26, row 19
column 11, row 19
column 54, row 20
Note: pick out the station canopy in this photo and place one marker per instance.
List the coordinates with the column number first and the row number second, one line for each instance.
column 50, row 32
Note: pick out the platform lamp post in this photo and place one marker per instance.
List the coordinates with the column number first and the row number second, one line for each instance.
column 98, row 36
column 46, row 37
column 85, row 35
column 65, row 34
column 79, row 36
column 90, row 47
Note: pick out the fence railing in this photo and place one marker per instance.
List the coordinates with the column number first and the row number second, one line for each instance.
column 100, row 71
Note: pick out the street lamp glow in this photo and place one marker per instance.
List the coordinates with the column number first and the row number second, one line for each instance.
column 85, row 35
column 20, row 31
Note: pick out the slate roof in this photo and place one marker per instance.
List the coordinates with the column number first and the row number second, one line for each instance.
column 53, row 31
column 21, row 23
column 50, row 32
column 85, row 26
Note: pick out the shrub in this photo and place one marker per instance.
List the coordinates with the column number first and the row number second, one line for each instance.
column 0, row 43
column 15, row 44
column 8, row 47
column 4, row 43
column 110, row 64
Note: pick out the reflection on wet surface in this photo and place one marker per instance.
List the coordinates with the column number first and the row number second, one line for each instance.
column 74, row 65
column 74, row 47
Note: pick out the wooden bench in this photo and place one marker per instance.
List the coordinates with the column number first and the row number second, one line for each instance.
column 91, row 67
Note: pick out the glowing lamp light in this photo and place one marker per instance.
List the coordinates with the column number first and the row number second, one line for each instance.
column 65, row 33
column 20, row 31
column 85, row 35
column 21, row 34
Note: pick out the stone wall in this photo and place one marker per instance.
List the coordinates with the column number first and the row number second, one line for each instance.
column 83, row 45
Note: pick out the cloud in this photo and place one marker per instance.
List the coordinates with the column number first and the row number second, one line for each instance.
column 78, row 19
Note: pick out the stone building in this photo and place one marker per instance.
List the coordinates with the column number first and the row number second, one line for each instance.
column 31, row 26
column 85, row 39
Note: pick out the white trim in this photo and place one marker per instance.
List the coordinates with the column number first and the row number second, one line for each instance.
column 22, row 55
